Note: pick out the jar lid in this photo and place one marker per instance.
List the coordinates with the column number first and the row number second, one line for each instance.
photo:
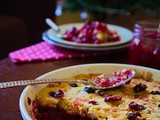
column 148, row 29
column 148, row 25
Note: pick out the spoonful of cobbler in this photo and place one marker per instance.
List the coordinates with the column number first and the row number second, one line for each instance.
column 117, row 78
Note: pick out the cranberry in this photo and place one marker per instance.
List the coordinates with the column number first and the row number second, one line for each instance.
column 127, row 72
column 74, row 85
column 140, row 87
column 133, row 105
column 51, row 94
column 84, row 79
column 59, row 94
column 158, row 105
column 87, row 23
column 133, row 116
column 29, row 101
column 89, row 90
column 155, row 92
column 105, row 82
column 111, row 98
column 101, row 93
column 93, row 102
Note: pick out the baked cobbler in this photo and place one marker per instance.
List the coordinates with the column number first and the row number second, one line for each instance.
column 137, row 100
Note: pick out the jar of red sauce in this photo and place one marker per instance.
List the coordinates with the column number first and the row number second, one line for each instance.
column 144, row 48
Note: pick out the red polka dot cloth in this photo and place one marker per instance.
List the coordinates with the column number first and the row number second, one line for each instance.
column 44, row 51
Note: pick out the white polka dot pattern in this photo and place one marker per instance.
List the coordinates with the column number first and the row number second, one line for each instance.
column 44, row 51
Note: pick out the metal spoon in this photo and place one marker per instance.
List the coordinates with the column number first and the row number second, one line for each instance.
column 55, row 28
column 42, row 81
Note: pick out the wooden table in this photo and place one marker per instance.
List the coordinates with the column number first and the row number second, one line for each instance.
column 9, row 98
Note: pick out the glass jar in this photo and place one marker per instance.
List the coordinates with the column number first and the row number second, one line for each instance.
column 144, row 48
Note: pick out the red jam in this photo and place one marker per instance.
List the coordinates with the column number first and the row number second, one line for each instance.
column 145, row 46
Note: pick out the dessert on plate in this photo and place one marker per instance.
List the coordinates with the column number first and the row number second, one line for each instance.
column 137, row 100
column 92, row 32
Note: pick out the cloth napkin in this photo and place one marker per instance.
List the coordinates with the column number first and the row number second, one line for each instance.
column 44, row 51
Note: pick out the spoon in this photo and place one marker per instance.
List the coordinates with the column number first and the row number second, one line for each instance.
column 55, row 28
column 91, row 82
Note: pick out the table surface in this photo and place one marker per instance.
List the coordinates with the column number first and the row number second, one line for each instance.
column 9, row 98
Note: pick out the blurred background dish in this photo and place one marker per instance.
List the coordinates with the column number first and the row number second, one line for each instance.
column 124, row 33
column 84, row 48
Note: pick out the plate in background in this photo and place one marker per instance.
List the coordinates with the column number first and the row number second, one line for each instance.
column 84, row 48
column 125, row 34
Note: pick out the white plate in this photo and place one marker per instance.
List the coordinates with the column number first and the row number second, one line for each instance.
column 83, row 48
column 30, row 91
column 125, row 35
